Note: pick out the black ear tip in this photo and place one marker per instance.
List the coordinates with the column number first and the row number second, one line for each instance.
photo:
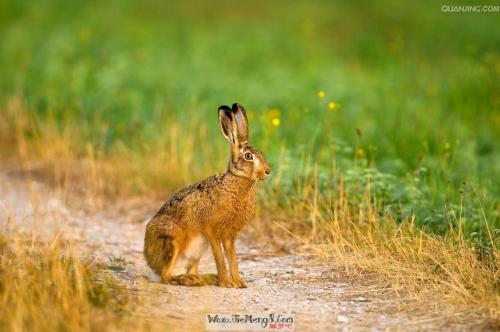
column 237, row 106
column 224, row 110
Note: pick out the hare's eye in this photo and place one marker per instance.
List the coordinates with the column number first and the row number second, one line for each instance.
column 248, row 156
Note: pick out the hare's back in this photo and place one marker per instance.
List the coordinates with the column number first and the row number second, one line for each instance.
column 194, row 197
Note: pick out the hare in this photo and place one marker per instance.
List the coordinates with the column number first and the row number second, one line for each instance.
column 209, row 213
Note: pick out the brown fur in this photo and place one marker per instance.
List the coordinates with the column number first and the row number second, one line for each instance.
column 216, row 208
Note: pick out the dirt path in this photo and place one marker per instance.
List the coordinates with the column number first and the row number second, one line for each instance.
column 314, row 291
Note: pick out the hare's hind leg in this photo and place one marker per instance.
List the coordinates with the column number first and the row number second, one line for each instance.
column 158, row 249
column 191, row 277
column 193, row 267
column 192, row 280
column 166, row 272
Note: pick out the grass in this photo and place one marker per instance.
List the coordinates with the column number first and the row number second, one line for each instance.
column 405, row 259
column 45, row 288
column 415, row 105
column 381, row 121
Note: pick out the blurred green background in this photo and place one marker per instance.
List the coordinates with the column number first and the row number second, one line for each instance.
column 396, row 93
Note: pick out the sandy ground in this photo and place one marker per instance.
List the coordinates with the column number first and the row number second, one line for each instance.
column 314, row 291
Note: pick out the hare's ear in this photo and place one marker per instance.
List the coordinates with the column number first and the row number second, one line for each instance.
column 240, row 117
column 226, row 123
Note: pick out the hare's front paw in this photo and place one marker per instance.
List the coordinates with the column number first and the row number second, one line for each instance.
column 240, row 283
column 226, row 283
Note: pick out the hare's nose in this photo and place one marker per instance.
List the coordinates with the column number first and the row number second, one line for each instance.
column 268, row 171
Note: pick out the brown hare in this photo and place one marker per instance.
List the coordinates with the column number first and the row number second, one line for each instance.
column 209, row 213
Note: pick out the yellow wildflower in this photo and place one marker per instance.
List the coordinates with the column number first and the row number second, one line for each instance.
column 321, row 94
column 276, row 122
column 332, row 105
column 360, row 152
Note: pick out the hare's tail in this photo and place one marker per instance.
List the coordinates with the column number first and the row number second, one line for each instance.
column 157, row 250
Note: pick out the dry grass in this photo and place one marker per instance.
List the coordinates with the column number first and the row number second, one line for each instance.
column 43, row 287
column 432, row 270
column 55, row 149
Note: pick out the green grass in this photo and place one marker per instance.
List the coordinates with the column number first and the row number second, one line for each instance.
column 416, row 92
